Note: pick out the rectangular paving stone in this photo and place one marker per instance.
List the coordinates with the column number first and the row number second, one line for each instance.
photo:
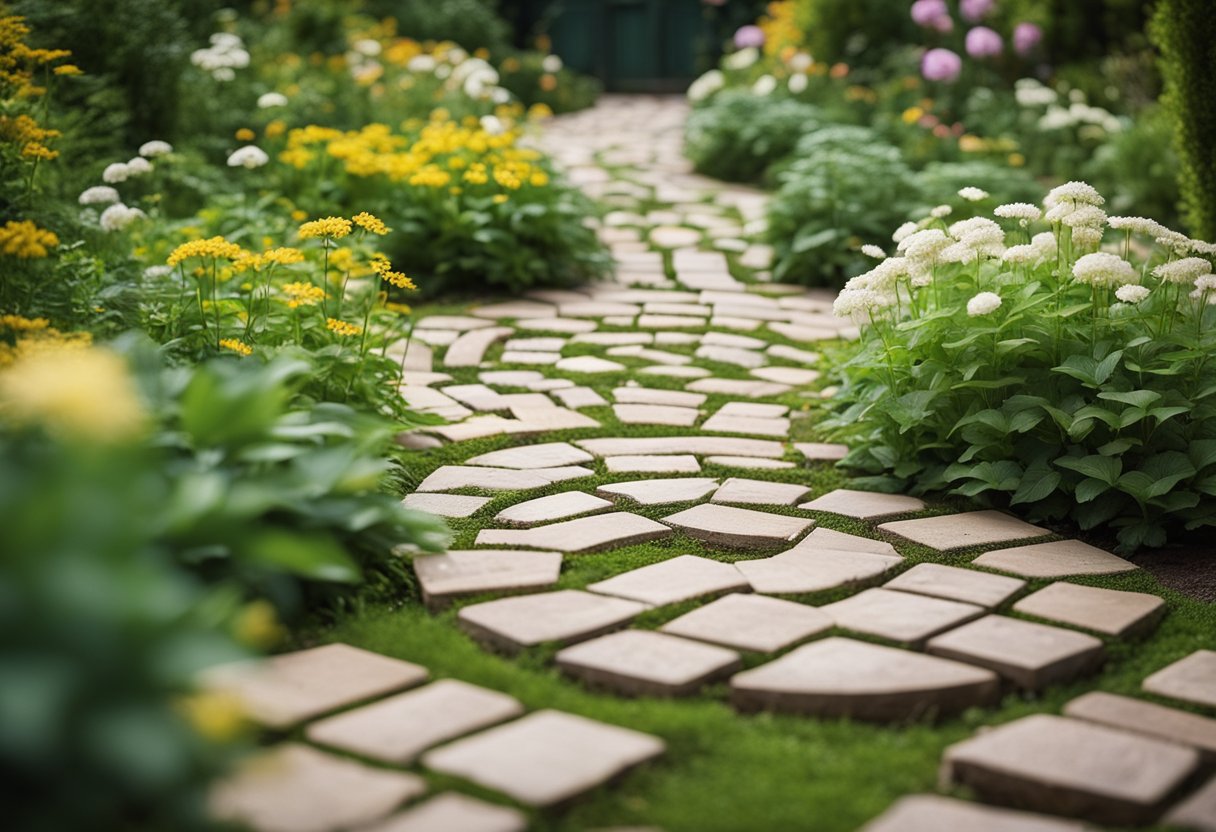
column 664, row 370
column 533, row 420
column 672, row 359
column 1068, row 767
column 821, row 451
column 1031, row 656
column 535, row 344
column 1198, row 811
column 1192, row 679
column 802, row 570
column 563, row 617
column 699, row 445
column 741, row 491
column 955, row 584
column 821, row 538
column 731, row 355
column 746, row 424
column 739, row 527
column 588, row 364
column 751, row 622
column 863, row 505
column 644, row 463
column 451, row 477
column 753, row 463
column 656, row 492
column 655, row 414
column 1143, row 717
column 738, row 387
column 727, row 339
column 1060, row 559
column 598, row 309
column 445, row 505
column 398, row 729
column 669, row 322
column 900, row 616
column 681, row 578
column 793, row 354
column 957, row 531
column 551, row 507
column 651, row 395
column 585, row 534
column 1111, row 612
column 613, row 339
column 453, row 812
column 544, row 455
column 515, row 309
column 460, row 573
column 283, row 690
column 646, row 663
column 456, row 323
column 545, row 758
column 754, row 409
column 787, row 375
column 579, row 397
column 470, row 348
column 531, row 358
column 564, row 325
column 935, row 813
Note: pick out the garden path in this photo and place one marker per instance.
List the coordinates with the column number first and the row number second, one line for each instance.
column 639, row 496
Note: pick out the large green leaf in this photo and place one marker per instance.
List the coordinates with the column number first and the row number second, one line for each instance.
column 315, row 554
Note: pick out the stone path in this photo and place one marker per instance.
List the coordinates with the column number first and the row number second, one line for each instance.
column 657, row 426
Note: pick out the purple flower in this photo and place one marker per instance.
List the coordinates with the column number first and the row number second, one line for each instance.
column 944, row 24
column 1026, row 36
column 941, row 65
column 976, row 10
column 927, row 12
column 982, row 42
column 749, row 36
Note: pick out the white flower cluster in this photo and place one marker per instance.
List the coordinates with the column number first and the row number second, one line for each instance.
column 119, row 216
column 223, row 57
column 765, row 85
column 249, row 157
column 271, row 99
column 1186, row 270
column 985, row 303
column 706, row 85
column 1102, row 269
column 1076, row 205
column 1033, row 95
column 741, row 59
column 99, row 195
column 155, row 148
column 1023, row 212
column 973, row 194
column 1030, row 92
column 459, row 71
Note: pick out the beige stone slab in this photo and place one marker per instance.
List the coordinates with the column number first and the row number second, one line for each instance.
column 755, row 623
column 452, row 812
column 398, row 729
column 646, row 463
column 1069, row 767
column 537, row 359
column 484, row 399
column 294, row 788
column 283, row 690
column 469, row 349
column 1192, row 679
column 738, row 387
column 731, row 322
column 657, row 492
column 666, row 236
column 699, row 261
column 534, row 344
column 510, row 378
column 822, row 451
column 698, row 445
column 455, row 323
column 477, row 427
column 792, row 376
column 718, row 423
column 534, row 420
column 738, row 527
column 656, row 396
column 655, row 414
column 427, row 400
column 445, row 505
column 1196, row 812
column 755, row 410
column 864, row 505
column 667, row 371
column 797, row 332
column 741, row 491
column 681, row 578
column 563, row 617
column 579, row 397
column 432, row 337
column 802, row 570
column 460, row 573
column 551, row 507
column 753, row 463
column 957, row 531
column 527, row 457
column 646, row 296
column 687, row 309
column 1149, row 718
column 731, row 355
column 451, row 477
column 585, row 534
column 646, row 663
column 598, row 309
column 515, row 309
column 679, row 338
column 614, row 339
column 840, row 677
column 669, row 359
column 568, row 326
column 935, row 813
column 1111, row 612
column 727, row 339
column 669, row 322
column 588, row 364
column 1031, row 656
column 1060, row 559
column 794, row 354
column 422, row 378
column 955, row 584
column 900, row 616
column 545, row 758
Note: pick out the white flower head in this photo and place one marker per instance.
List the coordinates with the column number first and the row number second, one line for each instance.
column 1103, row 269
column 765, row 85
column 1132, row 293
column 800, row 62
column 368, row 47
column 271, row 99
column 1087, row 236
column 1186, row 270
column 138, row 166
column 1022, row 211
column 551, row 64
column 904, row 230
column 742, row 59
column 1074, row 192
column 493, row 125
column 119, row 216
column 1205, row 282
column 706, row 85
column 985, row 303
column 798, row 83
column 499, row 95
column 157, row 272
column 973, row 194
column 925, row 245
column 1046, row 243
column 1085, row 216
column 860, row 304
column 154, row 148
column 422, row 63
column 873, row 251
column 116, row 172
column 250, row 156
column 98, row 195
column 941, row 211
column 1022, row 255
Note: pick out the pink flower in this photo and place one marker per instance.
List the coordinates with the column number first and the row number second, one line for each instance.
column 941, row 65
column 982, row 42
column 927, row 12
column 1026, row 36
column 944, row 24
column 976, row 10
column 749, row 36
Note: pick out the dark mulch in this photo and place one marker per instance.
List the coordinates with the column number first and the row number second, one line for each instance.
column 1189, row 568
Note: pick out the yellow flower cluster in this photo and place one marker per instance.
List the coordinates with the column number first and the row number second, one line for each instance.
column 342, row 328
column 303, row 294
column 381, row 266
column 780, row 27
column 18, row 59
column 370, row 223
column 237, row 346
column 282, row 256
column 24, row 132
column 26, row 241
column 214, row 715
column 216, row 247
column 32, row 336
column 331, row 227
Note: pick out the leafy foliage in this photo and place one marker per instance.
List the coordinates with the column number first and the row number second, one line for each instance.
column 738, row 135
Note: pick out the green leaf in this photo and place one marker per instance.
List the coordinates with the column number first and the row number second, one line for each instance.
column 314, row 555
column 1202, row 453
column 1136, row 398
column 1038, row 483
column 1104, row 468
column 1089, row 489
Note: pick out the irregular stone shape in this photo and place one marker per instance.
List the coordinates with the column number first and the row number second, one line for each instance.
column 1197, row 812
column 726, row 339
column 731, row 355
column 546, row 757
column 698, row 445
column 651, row 395
column 699, row 261
column 863, row 505
column 679, row 338
column 751, row 622
column 510, row 378
column 674, row 372
column 550, row 418
column 1030, row 655
column 579, row 397
column 1060, row 559
column 1069, row 767
column 456, row 323
column 672, row 464
column 470, row 348
column 748, row 462
column 666, row 236
column 451, row 477
column 646, row 663
column 551, row 507
column 754, row 409
column 797, row 332
column 686, row 309
column 426, row 400
column 934, row 813
column 669, row 322
column 564, row 617
column 564, row 325
column 471, row 572
column 613, row 338
column 547, row 455
column 731, row 322
column 534, row 345
column 398, row 729
column 588, row 364
column 671, row 359
column 786, row 375
column 740, row 527
column 657, row 492
column 738, row 387
column 433, row 337
column 822, row 451
column 1192, row 679
column 515, row 309
column 598, row 309
column 655, row 414
column 526, row 357
column 957, row 584
column 452, row 812
column 746, row 424
column 550, row 384
column 586, row 534
column 793, row 354
column 482, row 398
column 742, row 491
column 822, row 538
column 681, row 578
column 803, row 570
column 957, row 531
column 1111, row 612
column 294, row 788
column 900, row 616
column 840, row 677
column 445, row 505
column 1142, row 717
column 283, row 690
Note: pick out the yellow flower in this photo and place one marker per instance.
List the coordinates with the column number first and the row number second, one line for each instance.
column 540, row 111
column 245, row 135
column 370, row 223
column 539, row 179
column 1017, row 160
column 257, row 625
column 283, row 256
column 276, row 128
column 330, row 227
column 399, row 308
column 26, row 241
column 214, row 715
column 499, row 199
column 912, row 115
column 237, row 346
column 17, row 323
column 216, row 247
column 342, row 328
column 548, row 82
column 298, row 215
column 68, row 69
column 303, row 294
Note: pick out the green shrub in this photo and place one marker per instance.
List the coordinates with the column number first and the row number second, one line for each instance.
column 1137, row 169
column 737, row 135
column 474, row 24
column 858, row 32
column 525, row 75
column 940, row 183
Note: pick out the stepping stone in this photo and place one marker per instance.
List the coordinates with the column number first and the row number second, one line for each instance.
column 545, row 758
column 1069, row 767
column 934, row 813
column 613, row 338
column 1030, row 655
column 646, row 663
column 482, row 398
column 746, row 424
column 1192, row 679
column 738, row 387
column 796, row 332
column 1149, row 718
column 669, row 322
column 553, row 507
column 283, row 690
column 900, row 616
column 679, row 338
column 957, row 531
column 753, row 409
column 433, row 337
column 787, row 375
column 793, row 354
column 646, row 296
column 547, row 455
column 667, row 371
column 398, row 729
column 655, row 414
column 955, row 584
column 450, row 812
column 426, row 400
column 515, row 309
column 821, row 451
column 532, row 358
column 651, row 395
column 1061, row 559
column 294, row 788
column 459, row 573
column 759, row 492
column 565, row 325
column 802, row 570
column 751, row 622
column 748, row 462
column 681, row 578
column 670, row 359
column 445, row 505
column 451, row 477
column 657, row 492
column 726, row 339
column 698, row 445
column 863, row 505
column 1197, row 812
column 470, row 348
column 731, row 355
column 1111, row 612
column 695, row 310
column 510, row 378
column 566, row 616
column 588, row 364
column 674, row 237
column 840, row 677
column 586, row 534
column 738, row 527
column 456, row 323
column 645, row 463
column 421, row 378
column 598, row 309
column 579, row 397
column 822, row 538
column 699, row 261
column 550, row 418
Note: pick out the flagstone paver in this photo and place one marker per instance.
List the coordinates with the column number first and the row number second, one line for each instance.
column 564, row 325
column 956, row 531
column 751, row 622
column 458, row 573
column 646, row 663
column 1111, row 612
column 742, row 491
column 515, row 309
column 445, row 505
column 656, row 492
column 528, row 357
column 822, row 451
column 1143, row 717
column 585, row 534
column 546, row 455
column 698, row 445
column 565, row 616
column 957, row 584
column 821, row 538
column 1192, row 679
column 863, row 505
column 552, row 507
column 935, row 813
column 739, row 527
column 644, row 463
column 1198, row 811
column 456, row 323
column 452, row 812
column 793, row 376
column 738, row 387
column 588, row 364
column 655, row 414
column 803, row 570
column 579, row 397
column 651, row 395
column 451, row 477
column 470, row 348
column 900, row 616
column 1061, row 559
column 753, row 463
column 1031, row 656
column 681, row 578
column 534, row 344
